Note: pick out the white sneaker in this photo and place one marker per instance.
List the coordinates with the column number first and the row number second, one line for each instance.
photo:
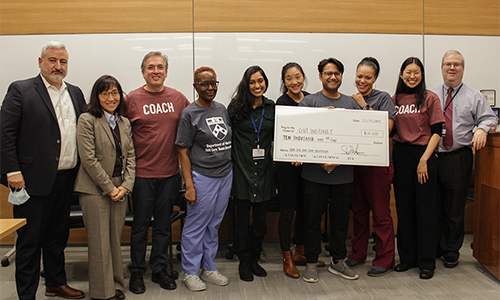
column 214, row 277
column 194, row 283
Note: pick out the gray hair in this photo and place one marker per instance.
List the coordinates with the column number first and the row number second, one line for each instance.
column 449, row 52
column 52, row 45
column 154, row 53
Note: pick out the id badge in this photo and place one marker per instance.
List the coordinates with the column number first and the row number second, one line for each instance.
column 258, row 153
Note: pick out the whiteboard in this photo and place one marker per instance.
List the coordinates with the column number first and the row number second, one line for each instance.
column 482, row 60
column 92, row 55
column 120, row 55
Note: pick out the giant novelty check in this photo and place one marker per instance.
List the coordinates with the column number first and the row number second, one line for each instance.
column 321, row 135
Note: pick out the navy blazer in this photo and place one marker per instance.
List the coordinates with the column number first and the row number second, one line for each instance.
column 29, row 133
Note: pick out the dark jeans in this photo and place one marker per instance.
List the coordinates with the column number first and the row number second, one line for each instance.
column 152, row 197
column 46, row 231
column 291, row 199
column 316, row 197
column 248, row 238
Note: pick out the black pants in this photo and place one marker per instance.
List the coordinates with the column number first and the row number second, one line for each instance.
column 416, row 206
column 248, row 238
column 47, row 229
column 152, row 197
column 453, row 182
column 291, row 199
column 316, row 197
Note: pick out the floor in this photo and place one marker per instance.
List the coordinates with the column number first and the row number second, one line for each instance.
column 469, row 280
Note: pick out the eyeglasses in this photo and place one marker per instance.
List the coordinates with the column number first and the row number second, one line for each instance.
column 330, row 74
column 204, row 85
column 449, row 64
column 114, row 94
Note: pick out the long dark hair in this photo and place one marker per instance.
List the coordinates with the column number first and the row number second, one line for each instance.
column 420, row 89
column 103, row 84
column 242, row 98
column 285, row 68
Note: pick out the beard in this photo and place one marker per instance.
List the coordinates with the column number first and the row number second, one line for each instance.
column 53, row 78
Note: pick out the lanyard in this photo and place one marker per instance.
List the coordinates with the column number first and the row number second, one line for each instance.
column 451, row 97
column 260, row 125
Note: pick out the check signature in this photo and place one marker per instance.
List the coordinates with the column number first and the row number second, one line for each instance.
column 351, row 149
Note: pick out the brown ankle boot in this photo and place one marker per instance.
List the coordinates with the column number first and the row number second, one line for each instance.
column 289, row 265
column 300, row 257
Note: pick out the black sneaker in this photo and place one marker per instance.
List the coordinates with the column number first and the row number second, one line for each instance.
column 164, row 279
column 136, row 284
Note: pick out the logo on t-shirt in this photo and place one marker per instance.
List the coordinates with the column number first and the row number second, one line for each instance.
column 217, row 127
column 407, row 109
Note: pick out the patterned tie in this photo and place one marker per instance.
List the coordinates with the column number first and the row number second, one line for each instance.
column 448, row 118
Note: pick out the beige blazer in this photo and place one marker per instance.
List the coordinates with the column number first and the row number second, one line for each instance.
column 96, row 147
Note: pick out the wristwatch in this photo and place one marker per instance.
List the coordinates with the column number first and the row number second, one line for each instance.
column 367, row 107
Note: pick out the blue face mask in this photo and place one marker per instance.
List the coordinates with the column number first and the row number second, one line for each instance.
column 18, row 197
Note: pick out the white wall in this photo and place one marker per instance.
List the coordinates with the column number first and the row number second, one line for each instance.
column 92, row 55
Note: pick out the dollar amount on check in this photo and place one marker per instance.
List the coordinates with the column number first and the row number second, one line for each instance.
column 321, row 135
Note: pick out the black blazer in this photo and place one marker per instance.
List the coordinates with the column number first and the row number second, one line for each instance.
column 29, row 133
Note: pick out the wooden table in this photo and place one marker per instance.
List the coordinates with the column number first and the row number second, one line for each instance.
column 8, row 226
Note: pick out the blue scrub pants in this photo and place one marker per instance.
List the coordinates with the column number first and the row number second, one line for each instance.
column 200, row 235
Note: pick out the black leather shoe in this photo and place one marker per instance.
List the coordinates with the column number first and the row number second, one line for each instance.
column 402, row 267
column 257, row 270
column 426, row 274
column 164, row 279
column 245, row 270
column 136, row 284
column 450, row 262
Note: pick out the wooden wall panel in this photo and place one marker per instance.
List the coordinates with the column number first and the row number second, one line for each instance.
column 347, row 16
column 457, row 17
column 462, row 17
column 94, row 16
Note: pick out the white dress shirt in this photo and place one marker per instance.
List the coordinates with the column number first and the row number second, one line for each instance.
column 66, row 118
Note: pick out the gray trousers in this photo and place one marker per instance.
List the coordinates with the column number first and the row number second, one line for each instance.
column 104, row 220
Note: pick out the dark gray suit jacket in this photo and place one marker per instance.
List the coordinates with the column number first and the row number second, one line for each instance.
column 29, row 133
